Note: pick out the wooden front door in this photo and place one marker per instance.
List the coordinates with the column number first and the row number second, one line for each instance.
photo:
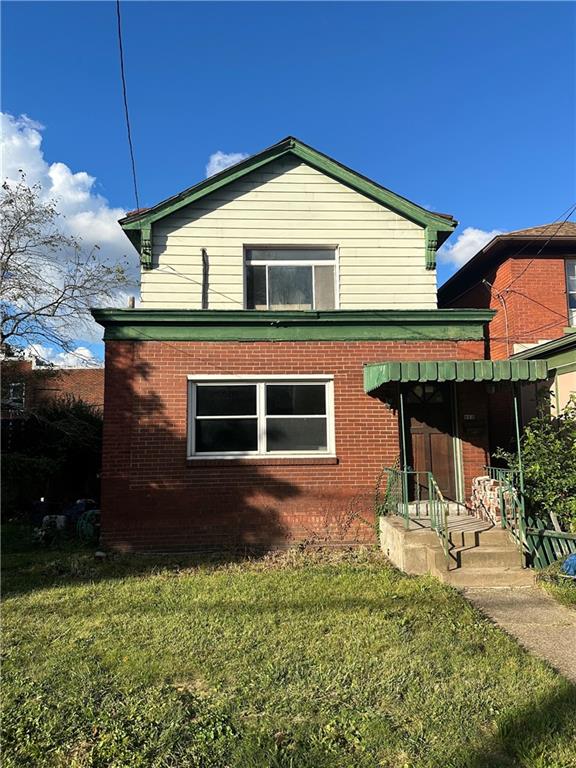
column 430, row 434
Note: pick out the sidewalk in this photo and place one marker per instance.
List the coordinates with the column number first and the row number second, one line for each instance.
column 543, row 626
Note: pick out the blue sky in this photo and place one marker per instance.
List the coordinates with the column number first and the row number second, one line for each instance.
column 466, row 108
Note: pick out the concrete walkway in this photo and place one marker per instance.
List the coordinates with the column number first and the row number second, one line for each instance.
column 535, row 619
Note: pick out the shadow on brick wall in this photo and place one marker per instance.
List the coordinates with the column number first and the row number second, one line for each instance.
column 153, row 498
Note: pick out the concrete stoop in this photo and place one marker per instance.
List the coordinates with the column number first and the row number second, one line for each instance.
column 478, row 558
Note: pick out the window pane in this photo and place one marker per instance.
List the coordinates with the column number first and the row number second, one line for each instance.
column 226, row 400
column 296, row 434
column 324, row 287
column 290, row 254
column 221, row 435
column 295, row 399
column 290, row 287
column 572, row 300
column 571, row 268
column 256, row 288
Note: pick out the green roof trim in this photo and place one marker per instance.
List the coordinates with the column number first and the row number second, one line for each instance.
column 376, row 374
column 438, row 227
column 253, row 325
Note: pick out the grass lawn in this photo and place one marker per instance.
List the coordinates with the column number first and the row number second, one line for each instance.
column 294, row 660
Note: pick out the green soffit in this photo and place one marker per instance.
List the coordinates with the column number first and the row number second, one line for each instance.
column 376, row 374
column 137, row 224
column 251, row 325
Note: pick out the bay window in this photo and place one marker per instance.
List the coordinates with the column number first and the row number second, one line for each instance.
column 269, row 416
column 290, row 278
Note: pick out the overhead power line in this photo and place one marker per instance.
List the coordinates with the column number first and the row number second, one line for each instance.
column 125, row 96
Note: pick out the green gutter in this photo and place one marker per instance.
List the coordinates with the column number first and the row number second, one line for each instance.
column 249, row 325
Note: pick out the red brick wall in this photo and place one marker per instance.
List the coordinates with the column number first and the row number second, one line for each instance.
column 152, row 499
column 534, row 291
column 44, row 385
column 85, row 384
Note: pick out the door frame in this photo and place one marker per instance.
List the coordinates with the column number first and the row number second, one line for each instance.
column 457, row 454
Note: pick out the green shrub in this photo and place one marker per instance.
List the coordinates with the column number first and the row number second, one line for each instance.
column 549, row 460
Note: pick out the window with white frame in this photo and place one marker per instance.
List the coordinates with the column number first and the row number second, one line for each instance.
column 269, row 416
column 571, row 289
column 290, row 278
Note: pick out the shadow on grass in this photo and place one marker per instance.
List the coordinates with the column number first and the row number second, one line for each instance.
column 530, row 731
column 27, row 566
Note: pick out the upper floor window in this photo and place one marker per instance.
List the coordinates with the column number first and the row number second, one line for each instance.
column 571, row 290
column 290, row 278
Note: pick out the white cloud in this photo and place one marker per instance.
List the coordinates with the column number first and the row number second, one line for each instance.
column 80, row 357
column 218, row 161
column 467, row 244
column 84, row 213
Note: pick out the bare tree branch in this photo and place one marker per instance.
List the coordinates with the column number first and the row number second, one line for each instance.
column 48, row 279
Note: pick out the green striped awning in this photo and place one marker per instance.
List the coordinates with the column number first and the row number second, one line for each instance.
column 376, row 374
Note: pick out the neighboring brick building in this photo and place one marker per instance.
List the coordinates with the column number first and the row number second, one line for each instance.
column 26, row 385
column 528, row 278
column 287, row 349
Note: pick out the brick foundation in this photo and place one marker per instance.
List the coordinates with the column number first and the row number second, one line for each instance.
column 154, row 499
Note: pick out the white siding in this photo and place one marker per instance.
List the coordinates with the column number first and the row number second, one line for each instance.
column 381, row 255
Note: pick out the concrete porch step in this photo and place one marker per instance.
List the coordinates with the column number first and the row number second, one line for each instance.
column 487, row 577
column 480, row 555
column 489, row 537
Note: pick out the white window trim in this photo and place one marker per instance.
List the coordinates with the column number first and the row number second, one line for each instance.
column 571, row 312
column 235, row 379
column 263, row 262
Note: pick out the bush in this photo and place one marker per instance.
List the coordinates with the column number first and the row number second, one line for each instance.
column 55, row 453
column 549, row 460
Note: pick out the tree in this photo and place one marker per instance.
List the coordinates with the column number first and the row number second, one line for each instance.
column 48, row 279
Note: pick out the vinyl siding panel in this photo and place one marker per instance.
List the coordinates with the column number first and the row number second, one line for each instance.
column 380, row 255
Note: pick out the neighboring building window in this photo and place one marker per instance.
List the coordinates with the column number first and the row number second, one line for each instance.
column 16, row 393
column 290, row 278
column 240, row 417
column 571, row 289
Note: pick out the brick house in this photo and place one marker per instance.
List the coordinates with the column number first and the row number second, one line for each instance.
column 27, row 385
column 528, row 279
column 288, row 346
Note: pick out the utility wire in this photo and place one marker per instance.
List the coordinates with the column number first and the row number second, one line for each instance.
column 568, row 212
column 560, row 225
column 124, row 94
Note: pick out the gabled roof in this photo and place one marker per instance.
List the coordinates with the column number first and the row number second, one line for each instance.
column 554, row 237
column 438, row 226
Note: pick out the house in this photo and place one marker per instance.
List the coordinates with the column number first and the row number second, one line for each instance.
column 287, row 349
column 528, row 278
column 28, row 384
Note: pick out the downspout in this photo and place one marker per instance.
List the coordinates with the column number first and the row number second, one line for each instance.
column 205, row 277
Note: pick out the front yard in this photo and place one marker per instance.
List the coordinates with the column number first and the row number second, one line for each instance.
column 289, row 661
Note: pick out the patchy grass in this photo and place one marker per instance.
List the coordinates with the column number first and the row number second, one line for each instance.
column 561, row 588
column 290, row 661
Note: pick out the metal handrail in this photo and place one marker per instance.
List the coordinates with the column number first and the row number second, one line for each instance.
column 397, row 501
column 512, row 505
column 439, row 511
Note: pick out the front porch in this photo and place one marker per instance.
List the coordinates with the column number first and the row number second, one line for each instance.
column 470, row 553
column 426, row 521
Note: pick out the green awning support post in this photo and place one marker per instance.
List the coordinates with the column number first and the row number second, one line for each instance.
column 522, row 521
column 404, row 461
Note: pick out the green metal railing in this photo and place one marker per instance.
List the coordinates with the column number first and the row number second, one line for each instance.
column 512, row 505
column 410, row 491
